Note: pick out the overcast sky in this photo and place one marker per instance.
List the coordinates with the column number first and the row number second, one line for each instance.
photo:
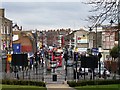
column 47, row 15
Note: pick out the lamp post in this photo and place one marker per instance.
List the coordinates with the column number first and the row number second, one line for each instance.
column 42, row 54
column 96, row 46
column 99, row 57
column 76, row 61
column 96, row 36
column 89, row 41
column 35, row 37
column 90, row 29
column 36, row 57
column 42, row 48
column 76, row 65
column 66, row 58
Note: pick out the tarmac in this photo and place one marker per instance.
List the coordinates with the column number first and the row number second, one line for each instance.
column 56, row 86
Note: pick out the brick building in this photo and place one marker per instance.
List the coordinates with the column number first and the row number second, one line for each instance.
column 5, row 32
column 56, row 37
column 77, row 39
column 24, row 39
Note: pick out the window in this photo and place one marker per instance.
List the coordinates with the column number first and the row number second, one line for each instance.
column 56, row 54
column 7, row 30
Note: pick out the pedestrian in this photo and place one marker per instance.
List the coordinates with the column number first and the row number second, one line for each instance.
column 17, row 76
column 31, row 62
column 90, row 71
column 104, row 74
column 15, row 70
column 80, row 71
column 26, row 70
column 36, row 67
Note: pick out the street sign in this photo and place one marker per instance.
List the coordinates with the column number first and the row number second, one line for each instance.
column 95, row 50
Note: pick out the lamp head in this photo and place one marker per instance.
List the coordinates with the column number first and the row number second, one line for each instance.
column 90, row 29
column 111, row 21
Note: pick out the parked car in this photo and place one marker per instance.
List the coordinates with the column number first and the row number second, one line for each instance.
column 83, row 72
column 102, row 70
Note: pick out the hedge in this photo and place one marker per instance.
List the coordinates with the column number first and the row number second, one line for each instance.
column 22, row 82
column 92, row 82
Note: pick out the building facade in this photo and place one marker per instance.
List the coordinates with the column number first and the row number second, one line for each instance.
column 23, row 41
column 77, row 39
column 5, row 33
column 109, row 39
column 56, row 37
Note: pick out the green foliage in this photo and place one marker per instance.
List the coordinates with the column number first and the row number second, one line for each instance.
column 22, row 87
column 114, row 52
column 20, row 82
column 72, row 83
column 99, row 87
column 92, row 82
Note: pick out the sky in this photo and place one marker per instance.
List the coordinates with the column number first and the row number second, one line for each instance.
column 43, row 15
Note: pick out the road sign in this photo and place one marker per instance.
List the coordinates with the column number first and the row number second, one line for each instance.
column 95, row 50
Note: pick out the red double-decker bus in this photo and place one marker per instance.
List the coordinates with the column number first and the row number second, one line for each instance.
column 57, row 56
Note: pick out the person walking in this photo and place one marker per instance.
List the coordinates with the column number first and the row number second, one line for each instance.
column 104, row 74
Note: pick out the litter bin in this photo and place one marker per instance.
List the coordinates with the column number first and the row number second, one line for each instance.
column 54, row 77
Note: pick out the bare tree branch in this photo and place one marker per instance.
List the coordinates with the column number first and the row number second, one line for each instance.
column 105, row 9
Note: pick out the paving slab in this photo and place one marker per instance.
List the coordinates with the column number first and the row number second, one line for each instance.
column 58, row 87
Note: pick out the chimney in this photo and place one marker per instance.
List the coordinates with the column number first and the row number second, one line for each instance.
column 2, row 12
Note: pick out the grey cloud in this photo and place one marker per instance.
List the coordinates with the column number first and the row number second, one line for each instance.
column 46, row 14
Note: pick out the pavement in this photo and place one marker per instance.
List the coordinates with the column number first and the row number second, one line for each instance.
column 57, row 86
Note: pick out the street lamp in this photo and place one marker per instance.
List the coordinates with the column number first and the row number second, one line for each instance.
column 42, row 54
column 96, row 35
column 66, row 58
column 42, row 38
column 90, row 29
column 111, row 22
column 35, row 37
column 76, row 61
column 36, row 57
column 89, row 41
column 99, row 57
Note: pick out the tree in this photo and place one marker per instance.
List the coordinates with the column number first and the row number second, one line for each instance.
column 114, row 52
column 104, row 10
